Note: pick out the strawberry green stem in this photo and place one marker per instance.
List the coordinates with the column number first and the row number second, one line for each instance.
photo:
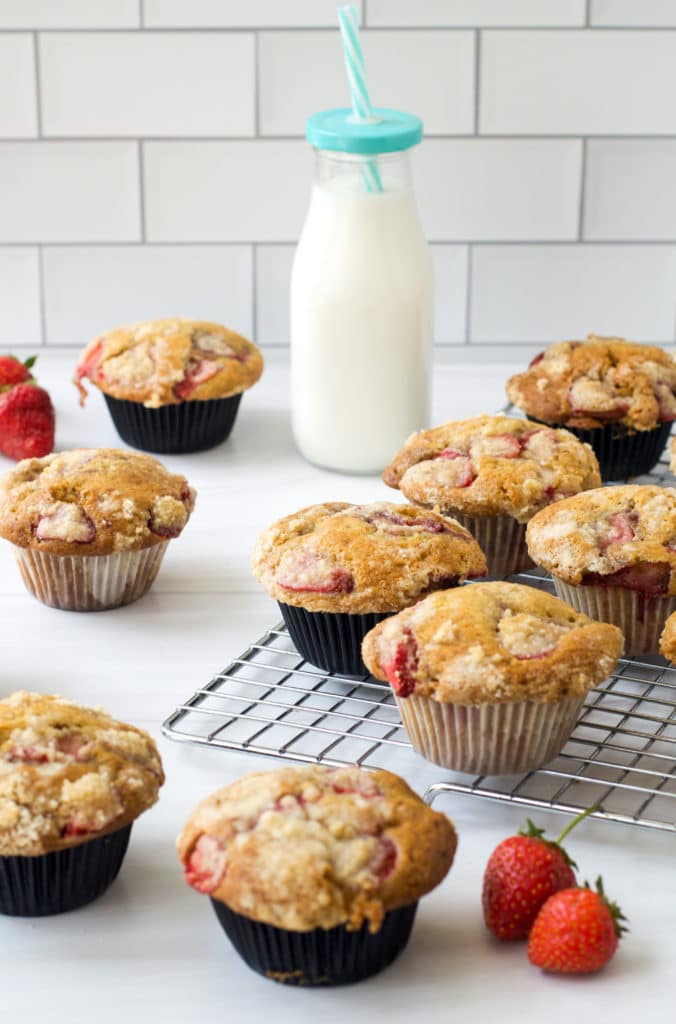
column 576, row 821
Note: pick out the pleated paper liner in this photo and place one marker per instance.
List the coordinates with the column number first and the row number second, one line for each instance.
column 502, row 540
column 330, row 640
column 174, row 429
column 623, row 453
column 488, row 739
column 90, row 583
column 640, row 617
column 321, row 957
column 52, row 883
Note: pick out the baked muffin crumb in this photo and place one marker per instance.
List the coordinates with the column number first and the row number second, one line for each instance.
column 601, row 380
column 492, row 643
column 337, row 557
column 92, row 502
column 69, row 773
column 316, row 847
column 163, row 362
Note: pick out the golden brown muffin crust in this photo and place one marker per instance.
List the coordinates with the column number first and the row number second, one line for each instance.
column 490, row 643
column 587, row 384
column 668, row 639
column 316, row 847
column 69, row 774
column 163, row 362
column 92, row 501
column 380, row 557
column 492, row 465
column 629, row 530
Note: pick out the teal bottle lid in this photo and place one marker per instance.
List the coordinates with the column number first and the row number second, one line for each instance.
column 389, row 131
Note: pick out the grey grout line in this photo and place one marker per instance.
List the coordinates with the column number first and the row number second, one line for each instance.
column 468, row 296
column 142, row 191
column 432, row 136
column 36, row 72
column 146, row 29
column 477, row 79
column 583, row 192
column 41, row 294
column 257, row 88
column 254, row 292
column 553, row 243
column 587, row 14
column 364, row 14
column 141, row 13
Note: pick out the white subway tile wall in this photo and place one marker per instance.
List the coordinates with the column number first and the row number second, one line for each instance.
column 152, row 161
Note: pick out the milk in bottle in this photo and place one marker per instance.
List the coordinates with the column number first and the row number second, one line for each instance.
column 361, row 297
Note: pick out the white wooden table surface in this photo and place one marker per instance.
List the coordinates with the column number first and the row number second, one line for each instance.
column 151, row 948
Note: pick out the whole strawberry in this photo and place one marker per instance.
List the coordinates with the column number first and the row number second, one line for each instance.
column 521, row 874
column 26, row 422
column 12, row 371
column 576, row 932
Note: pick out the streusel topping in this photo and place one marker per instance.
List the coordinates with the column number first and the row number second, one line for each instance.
column 69, row 773
column 380, row 557
column 613, row 536
column 492, row 643
column 316, row 847
column 163, row 362
column 492, row 465
column 587, row 384
column 92, row 501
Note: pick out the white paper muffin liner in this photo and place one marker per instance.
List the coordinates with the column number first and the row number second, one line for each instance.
column 502, row 540
column 90, row 583
column 488, row 739
column 640, row 618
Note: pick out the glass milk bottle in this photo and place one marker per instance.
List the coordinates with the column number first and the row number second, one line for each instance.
column 361, row 296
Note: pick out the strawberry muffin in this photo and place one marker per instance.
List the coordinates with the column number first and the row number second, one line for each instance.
column 171, row 386
column 72, row 782
column 315, row 873
column 490, row 679
column 90, row 527
column 668, row 639
column 337, row 569
column 612, row 553
column 493, row 473
column 618, row 396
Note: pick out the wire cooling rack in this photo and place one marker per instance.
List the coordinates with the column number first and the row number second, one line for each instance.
column 621, row 756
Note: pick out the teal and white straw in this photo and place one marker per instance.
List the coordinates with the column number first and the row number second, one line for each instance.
column 356, row 74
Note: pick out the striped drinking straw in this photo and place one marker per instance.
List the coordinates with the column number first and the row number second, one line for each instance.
column 356, row 74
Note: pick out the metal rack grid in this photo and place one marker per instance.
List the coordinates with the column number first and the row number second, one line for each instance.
column 621, row 756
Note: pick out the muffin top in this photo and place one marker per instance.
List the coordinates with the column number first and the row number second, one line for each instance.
column 587, row 384
column 315, row 847
column 69, row 773
column 92, row 501
column 163, row 362
column 491, row 643
column 492, row 465
column 338, row 557
column 613, row 536
column 668, row 638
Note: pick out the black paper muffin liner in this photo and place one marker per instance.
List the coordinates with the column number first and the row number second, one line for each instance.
column 52, row 883
column 174, row 429
column 621, row 452
column 331, row 640
column 322, row 957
